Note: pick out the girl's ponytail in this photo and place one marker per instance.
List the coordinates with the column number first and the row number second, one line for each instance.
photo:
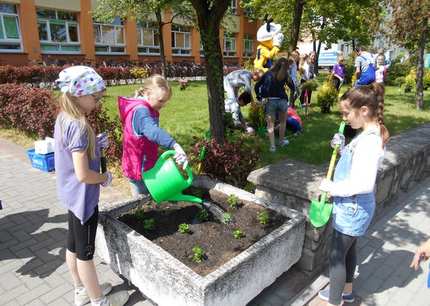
column 379, row 92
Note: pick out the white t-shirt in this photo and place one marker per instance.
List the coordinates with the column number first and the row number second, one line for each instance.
column 368, row 154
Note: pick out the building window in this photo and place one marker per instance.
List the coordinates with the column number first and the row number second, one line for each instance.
column 109, row 37
column 248, row 46
column 181, row 40
column 202, row 52
column 10, row 37
column 233, row 7
column 58, row 31
column 229, row 45
column 148, row 39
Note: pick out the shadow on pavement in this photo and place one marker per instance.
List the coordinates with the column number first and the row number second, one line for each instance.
column 45, row 249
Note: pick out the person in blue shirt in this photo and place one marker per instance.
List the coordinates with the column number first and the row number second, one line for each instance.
column 271, row 90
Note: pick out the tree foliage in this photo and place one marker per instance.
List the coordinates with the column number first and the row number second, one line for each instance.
column 410, row 27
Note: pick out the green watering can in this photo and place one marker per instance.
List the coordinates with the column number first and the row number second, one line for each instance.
column 165, row 182
column 320, row 210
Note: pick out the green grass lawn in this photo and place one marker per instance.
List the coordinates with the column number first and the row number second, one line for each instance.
column 186, row 116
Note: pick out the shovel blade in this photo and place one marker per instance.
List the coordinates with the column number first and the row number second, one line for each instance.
column 319, row 213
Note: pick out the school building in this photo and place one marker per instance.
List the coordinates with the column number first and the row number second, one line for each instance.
column 32, row 31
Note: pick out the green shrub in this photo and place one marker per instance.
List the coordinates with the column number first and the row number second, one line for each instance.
column 399, row 81
column 256, row 116
column 326, row 97
column 410, row 81
column 349, row 69
column 426, row 79
column 398, row 69
column 311, row 85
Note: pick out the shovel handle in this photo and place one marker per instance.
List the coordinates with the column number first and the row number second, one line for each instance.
column 103, row 162
column 333, row 160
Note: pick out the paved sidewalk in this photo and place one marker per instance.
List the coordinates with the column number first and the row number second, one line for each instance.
column 383, row 277
column 33, row 226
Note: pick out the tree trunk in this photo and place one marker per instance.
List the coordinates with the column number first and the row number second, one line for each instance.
column 209, row 20
column 162, row 54
column 419, row 96
column 297, row 18
column 319, row 48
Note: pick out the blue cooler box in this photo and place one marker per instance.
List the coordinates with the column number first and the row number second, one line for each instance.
column 44, row 162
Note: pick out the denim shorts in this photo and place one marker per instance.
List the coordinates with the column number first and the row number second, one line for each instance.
column 275, row 105
column 352, row 215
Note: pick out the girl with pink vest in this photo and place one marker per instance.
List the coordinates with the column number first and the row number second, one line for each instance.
column 142, row 134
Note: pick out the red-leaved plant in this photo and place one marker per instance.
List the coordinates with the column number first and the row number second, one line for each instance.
column 230, row 162
column 34, row 110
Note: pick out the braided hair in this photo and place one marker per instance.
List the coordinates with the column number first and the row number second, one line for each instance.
column 371, row 96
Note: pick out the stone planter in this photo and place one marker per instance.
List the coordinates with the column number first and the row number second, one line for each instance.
column 167, row 281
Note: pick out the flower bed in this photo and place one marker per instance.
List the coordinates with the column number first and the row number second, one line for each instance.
column 234, row 279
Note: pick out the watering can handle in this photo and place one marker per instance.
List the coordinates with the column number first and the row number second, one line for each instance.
column 188, row 170
column 333, row 160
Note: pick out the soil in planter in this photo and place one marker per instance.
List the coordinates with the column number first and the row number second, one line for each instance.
column 215, row 237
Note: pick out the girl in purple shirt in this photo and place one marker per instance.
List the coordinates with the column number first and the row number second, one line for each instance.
column 338, row 72
column 77, row 163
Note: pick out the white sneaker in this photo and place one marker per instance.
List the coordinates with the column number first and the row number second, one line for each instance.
column 115, row 299
column 82, row 298
column 272, row 149
column 284, row 143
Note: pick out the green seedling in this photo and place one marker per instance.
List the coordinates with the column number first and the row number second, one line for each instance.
column 140, row 214
column 237, row 233
column 184, row 228
column 149, row 224
column 233, row 201
column 226, row 218
column 198, row 254
column 202, row 215
column 263, row 217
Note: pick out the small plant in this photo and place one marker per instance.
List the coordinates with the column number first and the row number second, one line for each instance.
column 233, row 201
column 226, row 218
column 202, row 215
column 198, row 254
column 149, row 224
column 237, row 233
column 140, row 214
column 184, row 228
column 263, row 217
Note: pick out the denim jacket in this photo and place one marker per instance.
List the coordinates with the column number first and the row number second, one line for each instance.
column 351, row 215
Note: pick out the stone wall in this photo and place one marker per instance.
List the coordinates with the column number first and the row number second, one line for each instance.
column 294, row 184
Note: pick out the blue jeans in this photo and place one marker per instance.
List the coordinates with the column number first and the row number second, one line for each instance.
column 138, row 188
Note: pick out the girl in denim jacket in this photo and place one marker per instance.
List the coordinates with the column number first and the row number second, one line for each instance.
column 353, row 185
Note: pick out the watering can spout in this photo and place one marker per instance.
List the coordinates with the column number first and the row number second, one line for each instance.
column 185, row 198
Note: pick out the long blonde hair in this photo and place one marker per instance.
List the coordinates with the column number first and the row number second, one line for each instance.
column 69, row 106
column 154, row 81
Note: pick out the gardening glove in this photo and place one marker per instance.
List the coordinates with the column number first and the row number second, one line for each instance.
column 108, row 181
column 102, row 140
column 338, row 139
column 277, row 40
column 326, row 185
column 180, row 156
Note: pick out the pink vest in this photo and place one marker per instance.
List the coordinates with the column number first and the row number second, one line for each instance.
column 135, row 149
